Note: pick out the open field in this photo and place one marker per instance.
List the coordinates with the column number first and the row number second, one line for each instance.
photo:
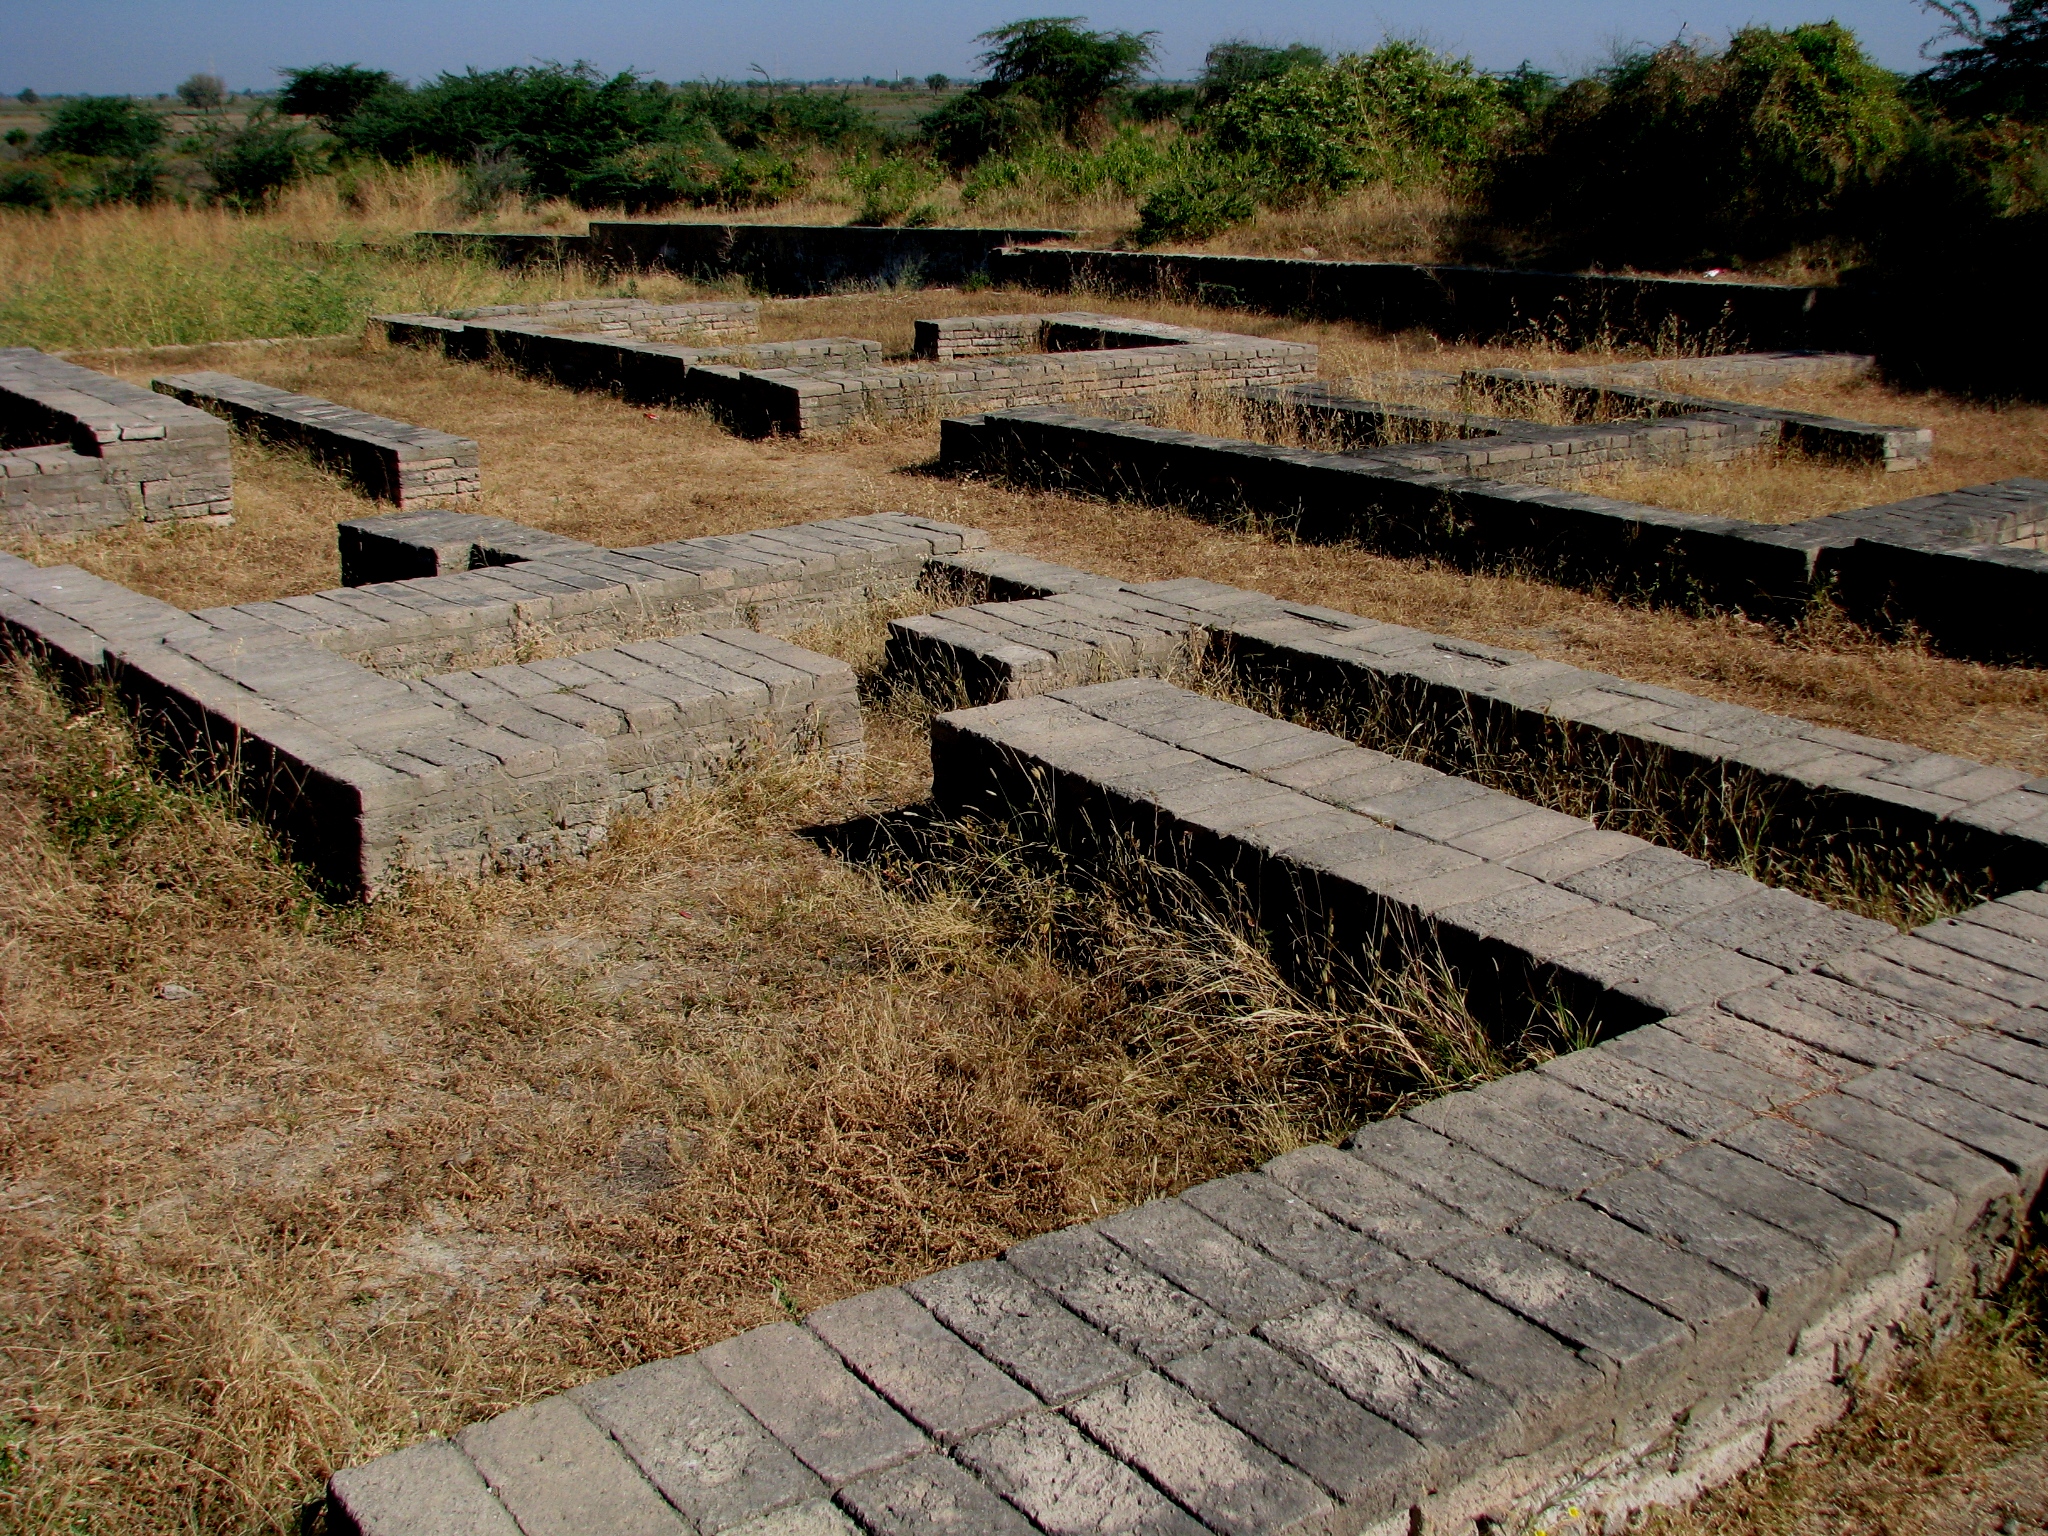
column 286, row 1184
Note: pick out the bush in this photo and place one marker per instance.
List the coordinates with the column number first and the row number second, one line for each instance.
column 559, row 121
column 250, row 165
column 1231, row 66
column 702, row 173
column 974, row 125
column 1205, row 197
column 102, row 127
column 1159, row 103
column 1045, row 77
column 755, row 117
column 892, row 191
column 1684, row 156
column 23, row 186
column 1126, row 165
column 1400, row 114
column 203, row 93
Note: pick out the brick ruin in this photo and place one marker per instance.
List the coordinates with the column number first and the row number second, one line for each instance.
column 81, row 451
column 1804, row 1144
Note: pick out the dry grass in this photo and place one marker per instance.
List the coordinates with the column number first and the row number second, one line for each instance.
column 359, row 1174
column 286, row 1185
column 1956, row 1446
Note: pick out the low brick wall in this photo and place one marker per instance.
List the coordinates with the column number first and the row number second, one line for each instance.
column 704, row 323
column 1870, row 557
column 807, row 258
column 565, row 594
column 80, row 450
column 390, row 460
column 1463, row 707
column 1464, row 303
column 1592, row 393
column 1598, row 1285
column 464, row 765
column 642, row 372
column 407, row 546
column 1498, row 448
column 1084, row 357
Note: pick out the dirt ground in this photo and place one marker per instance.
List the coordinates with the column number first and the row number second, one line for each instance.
column 285, row 1184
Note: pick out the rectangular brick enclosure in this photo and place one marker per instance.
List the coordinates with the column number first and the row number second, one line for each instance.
column 389, row 460
column 466, row 721
column 805, row 388
column 80, row 450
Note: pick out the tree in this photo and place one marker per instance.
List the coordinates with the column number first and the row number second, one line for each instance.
column 1046, row 76
column 109, row 127
column 28, row 98
column 1233, row 65
column 936, row 83
column 332, row 93
column 2002, row 68
column 204, row 93
column 1069, row 71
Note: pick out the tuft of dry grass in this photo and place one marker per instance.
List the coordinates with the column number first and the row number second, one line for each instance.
column 1957, row 1445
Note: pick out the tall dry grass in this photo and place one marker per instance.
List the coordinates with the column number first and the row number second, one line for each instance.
column 283, row 1184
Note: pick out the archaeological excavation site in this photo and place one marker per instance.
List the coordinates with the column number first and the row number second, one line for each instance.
column 1115, row 898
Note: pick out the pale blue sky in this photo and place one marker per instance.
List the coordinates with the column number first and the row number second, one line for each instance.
column 144, row 46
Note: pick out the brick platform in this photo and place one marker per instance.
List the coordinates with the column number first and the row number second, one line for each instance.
column 1960, row 564
column 389, row 460
column 371, row 729
column 1457, row 704
column 80, row 450
column 1606, row 1282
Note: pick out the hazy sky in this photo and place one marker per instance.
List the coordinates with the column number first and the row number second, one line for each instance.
column 145, row 46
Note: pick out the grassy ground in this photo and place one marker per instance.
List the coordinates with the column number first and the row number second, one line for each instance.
column 283, row 1184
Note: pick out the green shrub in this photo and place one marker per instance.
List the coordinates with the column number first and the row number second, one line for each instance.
column 1159, row 103
column 1127, row 164
column 757, row 117
column 559, row 121
column 1400, row 114
column 1207, row 195
column 893, row 190
column 1231, row 66
column 250, row 165
column 331, row 93
column 102, row 127
column 27, row 186
column 700, row 171
column 1046, row 76
column 1683, row 155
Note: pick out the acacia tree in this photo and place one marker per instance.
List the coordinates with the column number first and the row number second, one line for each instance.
column 2001, row 67
column 1047, row 75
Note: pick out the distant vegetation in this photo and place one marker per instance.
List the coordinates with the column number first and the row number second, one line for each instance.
column 1781, row 140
